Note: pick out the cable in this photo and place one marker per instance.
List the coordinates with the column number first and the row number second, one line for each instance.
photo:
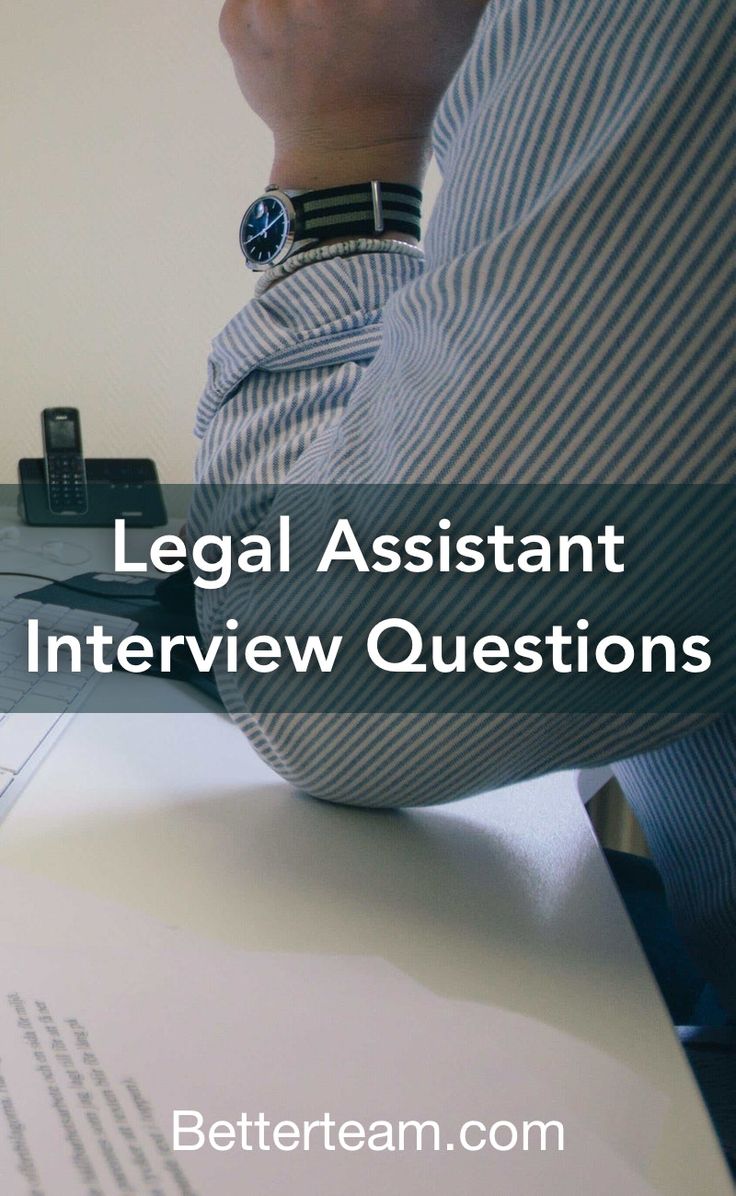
column 67, row 585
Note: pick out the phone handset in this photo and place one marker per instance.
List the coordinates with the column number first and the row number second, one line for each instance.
column 66, row 476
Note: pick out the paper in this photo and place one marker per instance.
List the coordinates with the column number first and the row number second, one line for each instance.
column 110, row 1021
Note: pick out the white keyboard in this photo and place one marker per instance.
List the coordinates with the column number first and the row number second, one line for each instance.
column 32, row 706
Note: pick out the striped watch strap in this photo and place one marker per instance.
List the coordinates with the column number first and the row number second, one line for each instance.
column 361, row 209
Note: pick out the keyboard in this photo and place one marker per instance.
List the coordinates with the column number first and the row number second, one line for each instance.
column 35, row 708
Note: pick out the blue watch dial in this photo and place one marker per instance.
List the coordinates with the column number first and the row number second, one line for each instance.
column 264, row 230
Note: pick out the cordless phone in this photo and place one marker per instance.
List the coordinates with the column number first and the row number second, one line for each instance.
column 63, row 489
column 66, row 478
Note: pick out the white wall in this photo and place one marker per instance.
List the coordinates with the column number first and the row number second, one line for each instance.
column 128, row 159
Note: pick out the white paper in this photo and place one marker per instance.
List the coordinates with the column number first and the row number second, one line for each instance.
column 110, row 1020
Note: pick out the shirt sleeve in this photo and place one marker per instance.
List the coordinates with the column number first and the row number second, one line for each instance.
column 569, row 324
column 283, row 369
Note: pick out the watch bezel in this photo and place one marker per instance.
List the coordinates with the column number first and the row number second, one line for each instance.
column 288, row 242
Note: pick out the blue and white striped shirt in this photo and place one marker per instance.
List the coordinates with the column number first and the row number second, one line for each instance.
column 569, row 321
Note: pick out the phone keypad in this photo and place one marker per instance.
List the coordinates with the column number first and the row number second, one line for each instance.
column 67, row 484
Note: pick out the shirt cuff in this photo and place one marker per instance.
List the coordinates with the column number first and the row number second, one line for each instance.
column 323, row 253
column 325, row 311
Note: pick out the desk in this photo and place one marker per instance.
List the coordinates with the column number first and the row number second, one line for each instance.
column 502, row 899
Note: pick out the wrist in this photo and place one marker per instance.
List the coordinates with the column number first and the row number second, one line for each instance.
column 308, row 167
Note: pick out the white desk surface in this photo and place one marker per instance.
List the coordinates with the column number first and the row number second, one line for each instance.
column 503, row 898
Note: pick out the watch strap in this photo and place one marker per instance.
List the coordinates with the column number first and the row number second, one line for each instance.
column 358, row 210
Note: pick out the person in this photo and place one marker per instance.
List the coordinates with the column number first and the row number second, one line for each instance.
column 567, row 320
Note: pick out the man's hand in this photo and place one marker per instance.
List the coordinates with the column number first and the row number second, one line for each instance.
column 347, row 87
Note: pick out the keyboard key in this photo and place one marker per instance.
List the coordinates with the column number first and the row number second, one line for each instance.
column 50, row 616
column 20, row 736
column 16, row 674
column 33, row 705
column 77, row 623
column 15, row 642
column 17, row 610
column 59, row 692
column 117, row 626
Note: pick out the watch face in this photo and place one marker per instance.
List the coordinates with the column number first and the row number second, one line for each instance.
column 264, row 232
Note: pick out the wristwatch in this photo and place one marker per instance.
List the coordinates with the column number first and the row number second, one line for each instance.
column 281, row 223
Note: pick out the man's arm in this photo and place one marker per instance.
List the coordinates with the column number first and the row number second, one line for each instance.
column 348, row 89
column 570, row 325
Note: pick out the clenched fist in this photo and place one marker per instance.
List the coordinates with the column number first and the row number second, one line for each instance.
column 347, row 87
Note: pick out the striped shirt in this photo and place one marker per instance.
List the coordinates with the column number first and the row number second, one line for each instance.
column 569, row 321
